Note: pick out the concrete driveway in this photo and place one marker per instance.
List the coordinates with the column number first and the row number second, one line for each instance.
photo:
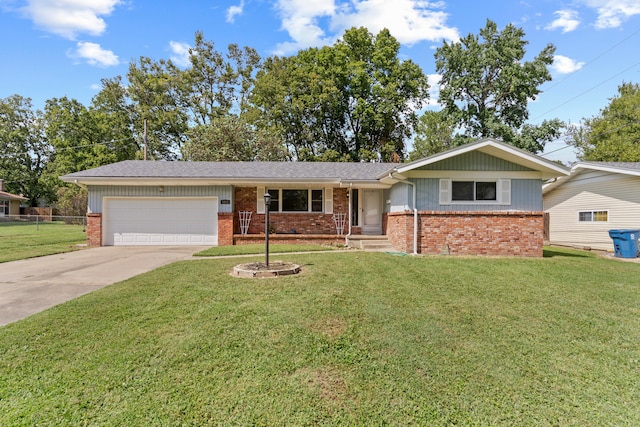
column 32, row 285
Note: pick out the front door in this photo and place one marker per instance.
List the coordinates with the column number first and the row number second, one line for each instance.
column 372, row 212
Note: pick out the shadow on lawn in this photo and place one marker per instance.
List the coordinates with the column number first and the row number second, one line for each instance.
column 550, row 253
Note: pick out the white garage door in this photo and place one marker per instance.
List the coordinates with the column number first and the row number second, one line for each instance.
column 179, row 221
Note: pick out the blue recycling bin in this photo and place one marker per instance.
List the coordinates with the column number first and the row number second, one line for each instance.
column 625, row 243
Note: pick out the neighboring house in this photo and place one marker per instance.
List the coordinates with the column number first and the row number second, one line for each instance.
column 595, row 198
column 483, row 198
column 9, row 203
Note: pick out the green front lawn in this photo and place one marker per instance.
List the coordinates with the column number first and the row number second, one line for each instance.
column 20, row 240
column 356, row 339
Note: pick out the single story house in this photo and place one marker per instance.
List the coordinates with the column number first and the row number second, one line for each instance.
column 484, row 198
column 9, row 203
column 595, row 198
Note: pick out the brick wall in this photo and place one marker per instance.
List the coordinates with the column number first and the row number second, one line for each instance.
column 94, row 229
column 399, row 230
column 302, row 223
column 469, row 233
column 225, row 228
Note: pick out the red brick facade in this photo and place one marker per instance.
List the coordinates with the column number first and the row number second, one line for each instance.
column 288, row 223
column 225, row 228
column 469, row 233
column 94, row 229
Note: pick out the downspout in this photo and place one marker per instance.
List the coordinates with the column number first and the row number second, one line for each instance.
column 415, row 219
column 346, row 238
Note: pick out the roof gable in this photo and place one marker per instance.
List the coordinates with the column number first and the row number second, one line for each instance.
column 474, row 161
column 496, row 149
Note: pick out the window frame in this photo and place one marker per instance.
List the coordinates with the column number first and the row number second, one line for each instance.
column 277, row 195
column 593, row 215
column 475, row 199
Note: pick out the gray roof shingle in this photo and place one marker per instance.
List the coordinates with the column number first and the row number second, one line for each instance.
column 633, row 166
column 236, row 170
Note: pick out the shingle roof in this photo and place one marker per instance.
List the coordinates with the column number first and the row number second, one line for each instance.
column 8, row 196
column 633, row 166
column 236, row 170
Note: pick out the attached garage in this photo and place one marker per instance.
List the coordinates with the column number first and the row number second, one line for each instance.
column 160, row 221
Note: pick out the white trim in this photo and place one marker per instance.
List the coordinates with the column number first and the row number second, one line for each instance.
column 503, row 192
column 260, row 192
column 328, row 200
column 309, row 191
column 444, row 190
column 475, row 174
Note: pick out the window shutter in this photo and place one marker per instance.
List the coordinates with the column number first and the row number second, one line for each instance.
column 328, row 200
column 260, row 200
column 505, row 191
column 445, row 191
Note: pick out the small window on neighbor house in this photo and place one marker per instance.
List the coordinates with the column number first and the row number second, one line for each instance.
column 593, row 216
column 4, row 207
column 473, row 191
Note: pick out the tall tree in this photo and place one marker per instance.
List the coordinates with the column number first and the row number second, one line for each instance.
column 230, row 138
column 486, row 86
column 215, row 84
column 434, row 134
column 614, row 134
column 174, row 100
column 356, row 99
column 153, row 88
column 114, row 120
column 24, row 149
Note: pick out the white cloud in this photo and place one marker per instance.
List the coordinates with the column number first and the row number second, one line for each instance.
column 565, row 65
column 611, row 13
column 95, row 55
column 180, row 53
column 567, row 21
column 235, row 10
column 300, row 20
column 410, row 21
column 68, row 18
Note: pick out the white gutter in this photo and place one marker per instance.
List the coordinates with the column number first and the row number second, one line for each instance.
column 346, row 238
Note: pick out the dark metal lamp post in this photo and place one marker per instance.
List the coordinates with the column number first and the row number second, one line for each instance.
column 267, row 202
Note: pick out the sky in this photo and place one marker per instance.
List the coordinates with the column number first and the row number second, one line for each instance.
column 56, row 48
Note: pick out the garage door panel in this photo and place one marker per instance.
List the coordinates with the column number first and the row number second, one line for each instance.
column 167, row 221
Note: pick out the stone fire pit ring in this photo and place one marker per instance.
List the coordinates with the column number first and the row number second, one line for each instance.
column 255, row 270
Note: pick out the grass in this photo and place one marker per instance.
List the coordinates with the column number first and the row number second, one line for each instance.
column 20, row 240
column 356, row 339
column 259, row 249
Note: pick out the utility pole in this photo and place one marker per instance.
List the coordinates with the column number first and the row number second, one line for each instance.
column 145, row 139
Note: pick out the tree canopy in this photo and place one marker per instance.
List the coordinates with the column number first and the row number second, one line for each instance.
column 614, row 134
column 486, row 86
column 355, row 100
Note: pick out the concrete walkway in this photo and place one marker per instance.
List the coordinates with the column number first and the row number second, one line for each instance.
column 32, row 285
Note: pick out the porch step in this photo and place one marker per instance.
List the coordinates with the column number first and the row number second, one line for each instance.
column 371, row 243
